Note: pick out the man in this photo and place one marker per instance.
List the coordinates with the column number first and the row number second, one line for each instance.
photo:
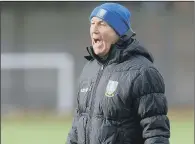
column 121, row 94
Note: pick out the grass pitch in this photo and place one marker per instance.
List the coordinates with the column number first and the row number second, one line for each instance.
column 44, row 131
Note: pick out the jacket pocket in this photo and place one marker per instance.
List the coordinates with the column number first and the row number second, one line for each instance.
column 112, row 139
column 109, row 132
column 120, row 138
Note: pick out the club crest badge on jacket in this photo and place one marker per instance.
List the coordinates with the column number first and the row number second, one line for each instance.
column 111, row 88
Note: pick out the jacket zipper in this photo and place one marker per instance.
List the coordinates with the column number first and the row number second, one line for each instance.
column 88, row 94
column 91, row 108
column 94, row 90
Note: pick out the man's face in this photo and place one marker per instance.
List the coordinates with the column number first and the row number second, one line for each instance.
column 102, row 36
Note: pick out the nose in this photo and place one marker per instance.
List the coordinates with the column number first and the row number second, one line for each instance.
column 95, row 31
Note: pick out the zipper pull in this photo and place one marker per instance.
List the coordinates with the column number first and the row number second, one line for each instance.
column 102, row 67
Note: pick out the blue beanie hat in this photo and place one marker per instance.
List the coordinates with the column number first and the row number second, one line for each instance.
column 116, row 15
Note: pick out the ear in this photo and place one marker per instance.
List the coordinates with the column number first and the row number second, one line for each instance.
column 116, row 38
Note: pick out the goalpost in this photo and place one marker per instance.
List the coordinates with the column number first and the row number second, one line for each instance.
column 64, row 63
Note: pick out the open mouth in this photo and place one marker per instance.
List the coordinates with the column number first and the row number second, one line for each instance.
column 96, row 40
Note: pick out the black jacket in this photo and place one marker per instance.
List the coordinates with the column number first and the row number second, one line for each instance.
column 121, row 99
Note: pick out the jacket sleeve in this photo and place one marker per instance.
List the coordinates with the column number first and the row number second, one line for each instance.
column 72, row 135
column 151, row 106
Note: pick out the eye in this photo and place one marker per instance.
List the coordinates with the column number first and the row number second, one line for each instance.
column 103, row 23
column 92, row 22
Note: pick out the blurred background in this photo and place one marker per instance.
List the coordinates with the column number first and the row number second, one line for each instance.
column 42, row 49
